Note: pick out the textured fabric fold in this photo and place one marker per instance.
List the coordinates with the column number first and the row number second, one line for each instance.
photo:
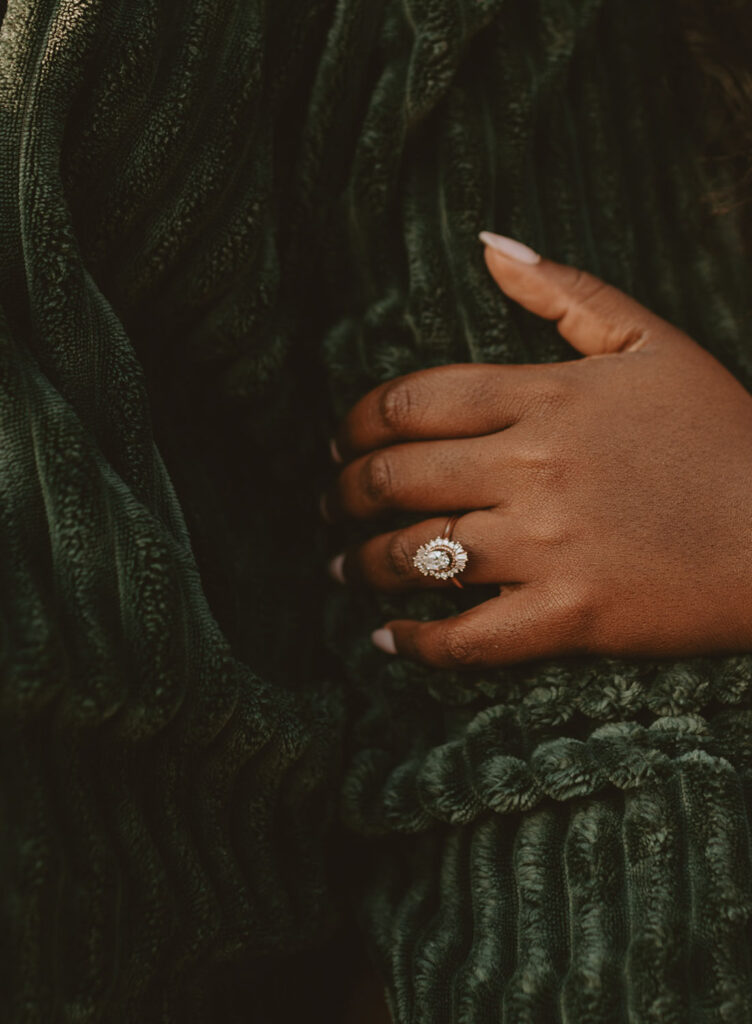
column 559, row 870
column 168, row 790
column 220, row 224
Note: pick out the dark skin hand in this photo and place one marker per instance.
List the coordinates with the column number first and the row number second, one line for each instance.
column 609, row 497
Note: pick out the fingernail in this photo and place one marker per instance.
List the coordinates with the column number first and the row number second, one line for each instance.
column 384, row 640
column 509, row 247
column 337, row 568
column 334, row 450
column 324, row 509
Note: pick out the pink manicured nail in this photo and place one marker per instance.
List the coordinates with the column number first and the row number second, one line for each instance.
column 337, row 568
column 509, row 247
column 334, row 450
column 384, row 640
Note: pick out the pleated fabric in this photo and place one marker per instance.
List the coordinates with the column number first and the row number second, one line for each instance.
column 170, row 735
column 633, row 908
column 562, row 841
column 220, row 224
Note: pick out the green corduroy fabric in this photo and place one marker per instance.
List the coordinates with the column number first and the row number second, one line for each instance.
column 220, row 224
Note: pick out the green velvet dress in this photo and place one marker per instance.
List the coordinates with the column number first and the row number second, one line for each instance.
column 221, row 222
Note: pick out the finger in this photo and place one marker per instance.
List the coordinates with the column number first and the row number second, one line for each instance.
column 462, row 400
column 387, row 562
column 594, row 317
column 523, row 623
column 430, row 476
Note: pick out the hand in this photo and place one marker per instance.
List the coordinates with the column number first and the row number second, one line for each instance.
column 610, row 497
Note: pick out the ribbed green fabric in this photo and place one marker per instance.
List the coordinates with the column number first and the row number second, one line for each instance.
column 221, row 223
column 169, row 732
column 585, row 852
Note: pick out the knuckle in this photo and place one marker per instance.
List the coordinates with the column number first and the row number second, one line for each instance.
column 551, row 533
column 555, row 472
column 543, row 463
column 376, row 479
column 550, row 395
column 585, row 287
column 459, row 647
column 399, row 556
column 398, row 406
column 577, row 614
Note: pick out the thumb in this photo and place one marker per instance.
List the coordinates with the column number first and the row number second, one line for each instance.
column 593, row 316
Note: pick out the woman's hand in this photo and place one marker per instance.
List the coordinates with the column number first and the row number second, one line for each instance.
column 610, row 497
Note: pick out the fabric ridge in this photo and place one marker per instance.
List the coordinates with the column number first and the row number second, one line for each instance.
column 221, row 223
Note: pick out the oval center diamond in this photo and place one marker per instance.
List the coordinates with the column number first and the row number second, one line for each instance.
column 437, row 560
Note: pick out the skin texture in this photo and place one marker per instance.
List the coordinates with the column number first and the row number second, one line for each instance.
column 609, row 496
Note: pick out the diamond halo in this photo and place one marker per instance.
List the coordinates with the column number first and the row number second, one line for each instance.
column 441, row 558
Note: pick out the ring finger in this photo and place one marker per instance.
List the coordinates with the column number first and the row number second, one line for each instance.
column 386, row 562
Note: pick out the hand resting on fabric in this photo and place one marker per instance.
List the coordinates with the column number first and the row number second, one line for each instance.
column 610, row 496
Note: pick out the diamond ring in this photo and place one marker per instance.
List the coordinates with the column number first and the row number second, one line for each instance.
column 442, row 557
